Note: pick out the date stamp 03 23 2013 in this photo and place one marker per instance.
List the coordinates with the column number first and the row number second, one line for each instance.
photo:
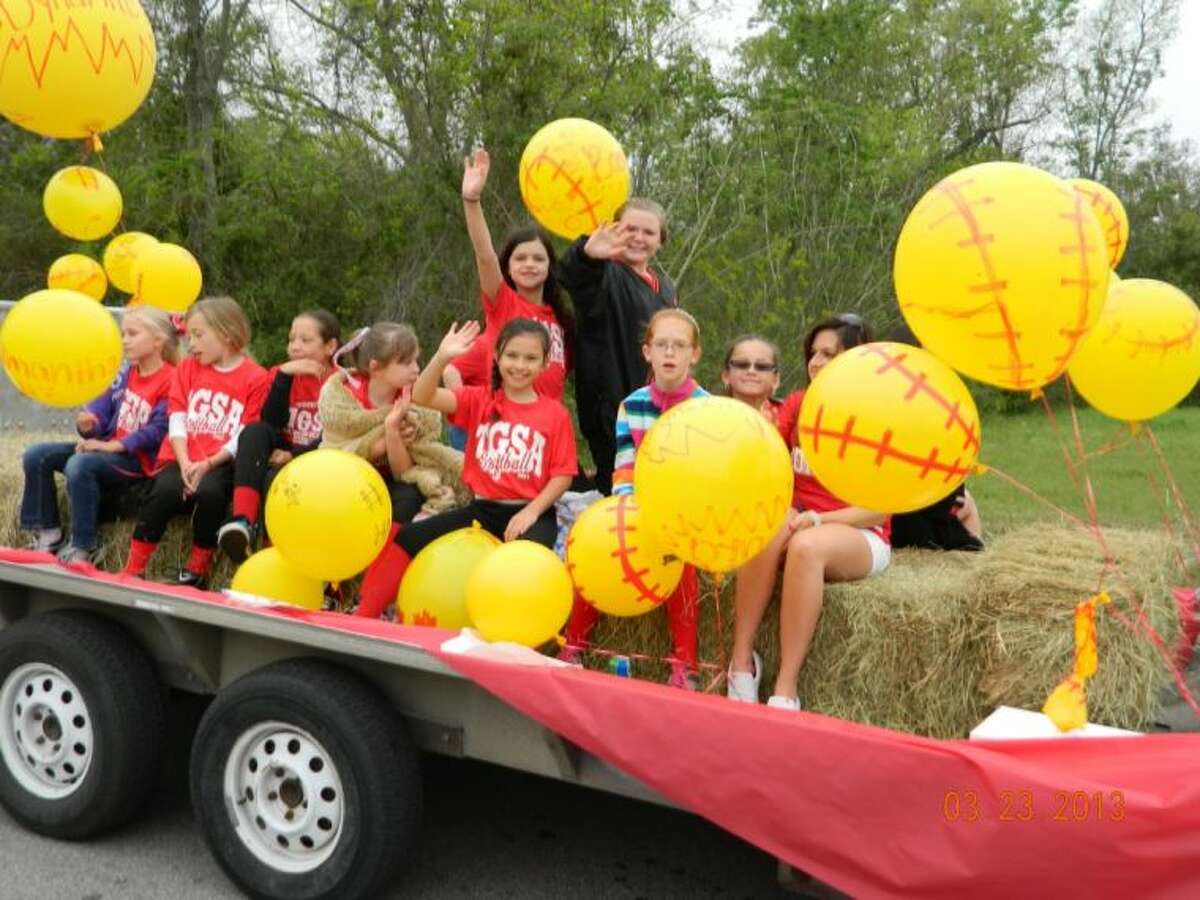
column 1022, row 805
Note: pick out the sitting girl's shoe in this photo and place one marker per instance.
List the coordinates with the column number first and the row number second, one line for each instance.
column 48, row 540
column 789, row 703
column 72, row 554
column 188, row 578
column 743, row 686
column 683, row 677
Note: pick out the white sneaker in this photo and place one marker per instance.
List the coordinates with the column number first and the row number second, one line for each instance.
column 743, row 686
column 789, row 703
column 47, row 540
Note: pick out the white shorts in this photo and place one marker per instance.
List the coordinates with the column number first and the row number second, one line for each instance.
column 881, row 551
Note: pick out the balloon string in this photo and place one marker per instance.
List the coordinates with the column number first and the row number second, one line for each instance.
column 718, row 584
column 1083, row 479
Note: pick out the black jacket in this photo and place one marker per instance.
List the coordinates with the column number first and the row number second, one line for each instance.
column 612, row 306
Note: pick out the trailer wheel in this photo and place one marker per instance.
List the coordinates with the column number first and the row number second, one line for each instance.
column 305, row 783
column 82, row 724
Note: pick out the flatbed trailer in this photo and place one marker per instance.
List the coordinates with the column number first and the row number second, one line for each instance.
column 303, row 773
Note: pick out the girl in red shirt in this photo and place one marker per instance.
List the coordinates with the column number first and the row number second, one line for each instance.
column 120, row 432
column 290, row 425
column 519, row 283
column 520, row 455
column 215, row 393
column 823, row 540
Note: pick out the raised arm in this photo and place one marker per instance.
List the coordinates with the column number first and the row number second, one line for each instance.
column 425, row 391
column 475, row 173
column 581, row 267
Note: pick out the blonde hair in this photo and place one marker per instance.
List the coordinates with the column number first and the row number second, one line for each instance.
column 225, row 318
column 646, row 205
column 677, row 314
column 158, row 321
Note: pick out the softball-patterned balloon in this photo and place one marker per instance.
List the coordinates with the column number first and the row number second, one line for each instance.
column 616, row 563
column 713, row 479
column 1143, row 356
column 574, row 176
column 72, row 70
column 1000, row 270
column 1109, row 213
column 889, row 427
column 81, row 202
column 76, row 272
column 166, row 276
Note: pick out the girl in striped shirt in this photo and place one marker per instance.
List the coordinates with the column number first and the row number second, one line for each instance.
column 671, row 347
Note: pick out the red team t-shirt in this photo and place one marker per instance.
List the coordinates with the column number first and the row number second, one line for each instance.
column 475, row 365
column 142, row 394
column 513, row 449
column 807, row 492
column 304, row 422
column 217, row 404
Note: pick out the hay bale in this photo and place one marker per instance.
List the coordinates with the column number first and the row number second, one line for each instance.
column 1032, row 579
column 937, row 641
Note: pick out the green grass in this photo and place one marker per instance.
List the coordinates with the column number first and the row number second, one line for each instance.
column 1129, row 482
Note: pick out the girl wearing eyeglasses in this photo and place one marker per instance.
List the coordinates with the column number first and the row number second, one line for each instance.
column 671, row 347
column 750, row 373
column 823, row 540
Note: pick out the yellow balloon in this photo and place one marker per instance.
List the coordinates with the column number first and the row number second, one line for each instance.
column 329, row 513
column 71, row 70
column 1143, row 356
column 119, row 257
column 573, row 176
column 616, row 563
column 1109, row 213
column 76, row 272
column 81, row 202
column 1000, row 270
column 61, row 348
column 166, row 276
column 519, row 592
column 889, row 427
column 714, row 481
column 434, row 589
column 268, row 574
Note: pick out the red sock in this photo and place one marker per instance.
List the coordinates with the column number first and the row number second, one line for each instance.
column 583, row 619
column 139, row 555
column 245, row 503
column 682, row 608
column 382, row 578
column 200, row 559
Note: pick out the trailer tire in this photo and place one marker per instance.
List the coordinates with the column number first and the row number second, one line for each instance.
column 305, row 783
column 82, row 724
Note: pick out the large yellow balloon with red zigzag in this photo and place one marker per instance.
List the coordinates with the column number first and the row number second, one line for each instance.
column 615, row 561
column 714, row 481
column 573, row 177
column 1000, row 270
column 889, row 427
column 74, row 69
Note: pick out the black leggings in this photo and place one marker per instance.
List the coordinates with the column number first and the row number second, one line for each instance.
column 491, row 515
column 210, row 504
column 252, row 467
column 407, row 500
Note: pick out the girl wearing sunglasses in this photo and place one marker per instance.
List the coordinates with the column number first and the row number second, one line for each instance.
column 750, row 373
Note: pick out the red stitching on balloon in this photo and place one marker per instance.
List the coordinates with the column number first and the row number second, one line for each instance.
column 1166, row 345
column 1083, row 279
column 624, row 554
column 559, row 169
column 919, row 385
column 992, row 284
column 884, row 450
column 62, row 39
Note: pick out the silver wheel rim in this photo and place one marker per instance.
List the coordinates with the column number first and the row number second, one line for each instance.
column 285, row 797
column 46, row 737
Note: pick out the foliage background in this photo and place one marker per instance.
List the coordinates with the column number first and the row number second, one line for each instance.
column 309, row 151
